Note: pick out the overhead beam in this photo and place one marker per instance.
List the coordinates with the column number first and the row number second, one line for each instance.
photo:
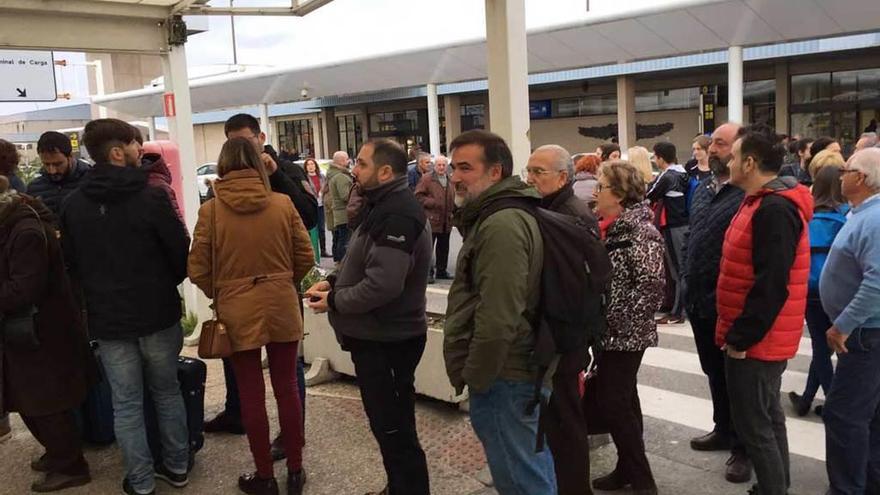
column 81, row 8
column 297, row 9
column 38, row 31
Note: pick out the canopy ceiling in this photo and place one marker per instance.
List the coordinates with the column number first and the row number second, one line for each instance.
column 684, row 27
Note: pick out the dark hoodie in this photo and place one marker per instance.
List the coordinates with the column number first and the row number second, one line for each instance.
column 124, row 245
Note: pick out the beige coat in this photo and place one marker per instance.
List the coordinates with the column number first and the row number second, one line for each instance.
column 263, row 252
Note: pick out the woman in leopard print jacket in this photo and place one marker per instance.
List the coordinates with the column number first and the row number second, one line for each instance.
column 636, row 251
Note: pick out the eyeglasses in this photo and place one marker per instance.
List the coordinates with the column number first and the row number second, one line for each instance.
column 601, row 187
column 538, row 172
column 849, row 170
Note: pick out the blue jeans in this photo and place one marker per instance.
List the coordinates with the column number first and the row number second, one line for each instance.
column 852, row 419
column 130, row 364
column 340, row 242
column 821, row 369
column 508, row 435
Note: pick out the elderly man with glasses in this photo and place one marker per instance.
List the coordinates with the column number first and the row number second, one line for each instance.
column 850, row 292
column 551, row 172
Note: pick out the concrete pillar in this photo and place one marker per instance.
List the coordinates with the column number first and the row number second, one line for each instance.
column 626, row 112
column 782, row 97
column 181, row 132
column 433, row 120
column 365, row 124
column 452, row 110
column 151, row 127
column 735, row 84
column 508, row 76
column 266, row 127
column 330, row 130
column 317, row 137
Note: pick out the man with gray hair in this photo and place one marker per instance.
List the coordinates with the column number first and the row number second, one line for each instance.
column 867, row 140
column 339, row 182
column 551, row 172
column 415, row 172
column 850, row 290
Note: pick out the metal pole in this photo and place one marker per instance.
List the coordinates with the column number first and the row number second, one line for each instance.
column 234, row 49
column 735, row 84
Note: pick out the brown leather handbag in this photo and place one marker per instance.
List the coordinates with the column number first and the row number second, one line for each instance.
column 214, row 341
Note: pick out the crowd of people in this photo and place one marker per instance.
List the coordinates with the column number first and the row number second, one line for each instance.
column 746, row 241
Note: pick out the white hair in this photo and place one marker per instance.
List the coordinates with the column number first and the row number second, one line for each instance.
column 340, row 157
column 441, row 157
column 562, row 161
column 871, row 139
column 867, row 161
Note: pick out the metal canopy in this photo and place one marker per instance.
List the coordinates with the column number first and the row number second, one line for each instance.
column 685, row 27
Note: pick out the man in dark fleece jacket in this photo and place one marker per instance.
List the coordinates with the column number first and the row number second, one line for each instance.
column 61, row 174
column 762, row 298
column 376, row 303
column 714, row 204
column 124, row 245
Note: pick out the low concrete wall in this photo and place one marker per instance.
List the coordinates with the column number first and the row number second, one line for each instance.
column 431, row 381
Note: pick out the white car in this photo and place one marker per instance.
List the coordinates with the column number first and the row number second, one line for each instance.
column 206, row 174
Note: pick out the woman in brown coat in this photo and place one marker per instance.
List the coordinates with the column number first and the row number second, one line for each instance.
column 46, row 378
column 262, row 253
column 437, row 196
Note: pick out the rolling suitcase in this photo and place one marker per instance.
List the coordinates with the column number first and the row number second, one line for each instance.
column 96, row 413
column 191, row 373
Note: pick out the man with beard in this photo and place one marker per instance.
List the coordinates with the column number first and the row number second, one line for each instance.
column 124, row 246
column 714, row 204
column 376, row 304
column 61, row 174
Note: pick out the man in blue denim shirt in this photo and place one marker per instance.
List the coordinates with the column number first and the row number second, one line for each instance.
column 850, row 292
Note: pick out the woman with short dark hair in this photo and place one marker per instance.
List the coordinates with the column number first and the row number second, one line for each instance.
column 636, row 250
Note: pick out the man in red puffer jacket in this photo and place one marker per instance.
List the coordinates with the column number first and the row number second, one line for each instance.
column 762, row 295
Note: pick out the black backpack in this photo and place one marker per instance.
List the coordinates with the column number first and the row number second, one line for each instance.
column 575, row 281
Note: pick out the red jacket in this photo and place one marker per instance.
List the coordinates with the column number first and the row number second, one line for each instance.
column 737, row 278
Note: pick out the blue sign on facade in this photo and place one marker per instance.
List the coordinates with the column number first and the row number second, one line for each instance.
column 539, row 109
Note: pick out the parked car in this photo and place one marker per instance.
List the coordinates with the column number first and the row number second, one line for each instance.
column 206, row 174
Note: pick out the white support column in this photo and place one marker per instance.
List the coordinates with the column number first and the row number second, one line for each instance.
column 181, row 132
column 626, row 113
column 151, row 128
column 452, row 109
column 433, row 120
column 266, row 126
column 508, row 76
column 782, row 89
column 735, row 84
column 317, row 138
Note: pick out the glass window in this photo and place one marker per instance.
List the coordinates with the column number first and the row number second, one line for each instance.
column 760, row 97
column 350, row 136
column 812, row 124
column 402, row 121
column 669, row 99
column 585, row 105
column 856, row 85
column 296, row 135
column 473, row 117
column 811, row 88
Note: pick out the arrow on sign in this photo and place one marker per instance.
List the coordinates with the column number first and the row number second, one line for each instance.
column 22, row 93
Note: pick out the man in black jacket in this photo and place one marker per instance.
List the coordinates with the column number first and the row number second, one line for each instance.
column 285, row 178
column 124, row 245
column 61, row 173
column 376, row 304
column 715, row 203
column 550, row 170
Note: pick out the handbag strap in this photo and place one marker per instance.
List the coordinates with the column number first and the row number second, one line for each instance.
column 215, row 304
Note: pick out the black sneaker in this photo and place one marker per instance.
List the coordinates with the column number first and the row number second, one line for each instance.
column 127, row 489
column 224, row 423
column 173, row 479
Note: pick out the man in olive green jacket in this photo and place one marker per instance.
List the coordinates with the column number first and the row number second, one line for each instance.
column 339, row 182
column 488, row 338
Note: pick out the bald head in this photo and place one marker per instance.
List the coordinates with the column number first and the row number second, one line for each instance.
column 721, row 148
column 340, row 159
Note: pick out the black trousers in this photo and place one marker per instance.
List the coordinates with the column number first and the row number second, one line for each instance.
column 712, row 361
column 754, row 392
column 386, row 377
column 442, row 252
column 611, row 405
column 58, row 434
column 566, row 427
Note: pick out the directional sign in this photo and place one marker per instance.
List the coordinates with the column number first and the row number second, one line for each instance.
column 27, row 76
